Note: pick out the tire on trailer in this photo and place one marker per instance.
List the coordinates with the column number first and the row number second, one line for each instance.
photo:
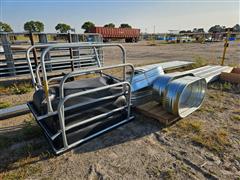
column 106, row 40
column 136, row 40
column 129, row 40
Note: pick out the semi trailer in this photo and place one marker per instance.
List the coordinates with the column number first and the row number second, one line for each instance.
column 108, row 34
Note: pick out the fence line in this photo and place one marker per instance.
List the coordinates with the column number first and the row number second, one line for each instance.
column 14, row 45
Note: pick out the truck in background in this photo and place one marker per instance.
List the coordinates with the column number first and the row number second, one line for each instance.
column 108, row 34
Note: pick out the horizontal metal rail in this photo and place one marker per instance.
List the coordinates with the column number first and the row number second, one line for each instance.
column 72, row 45
column 29, row 59
column 84, row 104
column 82, row 72
column 13, row 111
column 38, row 83
column 104, row 115
column 64, row 99
column 94, row 135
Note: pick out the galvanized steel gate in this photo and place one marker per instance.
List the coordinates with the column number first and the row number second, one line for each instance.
column 12, row 52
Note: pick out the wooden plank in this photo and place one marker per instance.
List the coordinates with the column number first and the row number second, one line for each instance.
column 155, row 111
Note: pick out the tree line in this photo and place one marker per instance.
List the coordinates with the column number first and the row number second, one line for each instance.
column 37, row 26
column 213, row 29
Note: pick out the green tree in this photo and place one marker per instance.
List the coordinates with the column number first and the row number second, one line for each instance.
column 182, row 31
column 34, row 26
column 110, row 25
column 63, row 28
column 217, row 28
column 5, row 27
column 236, row 28
column 198, row 30
column 87, row 26
column 125, row 26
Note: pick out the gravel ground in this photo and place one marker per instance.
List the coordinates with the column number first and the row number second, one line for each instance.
column 205, row 145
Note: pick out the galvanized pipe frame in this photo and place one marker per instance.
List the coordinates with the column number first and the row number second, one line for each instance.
column 83, row 72
column 72, row 45
column 61, row 109
column 29, row 60
column 61, row 113
column 39, row 84
column 91, row 136
column 41, row 118
column 30, row 64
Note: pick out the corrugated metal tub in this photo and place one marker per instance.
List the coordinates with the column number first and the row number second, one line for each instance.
column 180, row 95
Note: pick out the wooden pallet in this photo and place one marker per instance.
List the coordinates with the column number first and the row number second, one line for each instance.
column 156, row 112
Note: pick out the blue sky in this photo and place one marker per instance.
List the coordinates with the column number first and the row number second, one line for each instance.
column 164, row 15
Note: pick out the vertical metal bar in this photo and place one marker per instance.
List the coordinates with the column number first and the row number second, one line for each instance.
column 101, row 54
column 129, row 101
column 31, row 69
column 8, row 53
column 34, row 49
column 43, row 39
column 70, row 51
column 63, row 127
column 45, row 82
column 97, row 56
column 124, row 61
column 44, row 53
column 75, row 39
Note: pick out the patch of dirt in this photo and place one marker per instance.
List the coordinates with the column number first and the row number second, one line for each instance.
column 17, row 99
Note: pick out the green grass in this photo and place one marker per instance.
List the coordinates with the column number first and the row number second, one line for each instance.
column 189, row 125
column 217, row 95
column 235, row 117
column 22, row 88
column 216, row 141
column 4, row 105
column 167, row 174
column 199, row 61
column 16, row 88
column 21, row 173
column 226, row 86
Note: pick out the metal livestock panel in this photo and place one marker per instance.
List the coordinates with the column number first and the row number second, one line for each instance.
column 13, row 61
